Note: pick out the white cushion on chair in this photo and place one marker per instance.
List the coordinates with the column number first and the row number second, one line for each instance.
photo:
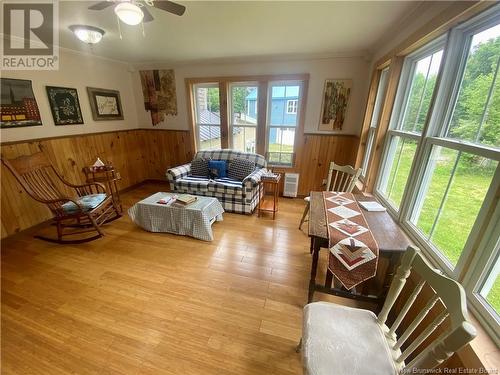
column 307, row 199
column 340, row 340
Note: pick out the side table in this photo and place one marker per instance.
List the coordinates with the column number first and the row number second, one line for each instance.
column 108, row 176
column 268, row 194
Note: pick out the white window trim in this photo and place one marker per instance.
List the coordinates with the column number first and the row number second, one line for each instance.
column 403, row 93
column 487, row 249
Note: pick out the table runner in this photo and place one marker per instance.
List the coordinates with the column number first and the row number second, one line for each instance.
column 353, row 253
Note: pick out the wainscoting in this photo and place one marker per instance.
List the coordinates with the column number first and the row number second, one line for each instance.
column 140, row 155
column 314, row 157
column 137, row 154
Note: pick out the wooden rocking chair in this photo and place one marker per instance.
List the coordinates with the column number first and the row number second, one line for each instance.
column 87, row 210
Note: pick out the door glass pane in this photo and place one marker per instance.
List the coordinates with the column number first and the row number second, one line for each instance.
column 422, row 85
column 284, row 109
column 399, row 160
column 476, row 116
column 453, row 192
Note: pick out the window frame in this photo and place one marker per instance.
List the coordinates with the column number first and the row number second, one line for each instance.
column 481, row 249
column 231, row 126
column 297, row 127
column 195, row 111
column 397, row 116
column 380, row 96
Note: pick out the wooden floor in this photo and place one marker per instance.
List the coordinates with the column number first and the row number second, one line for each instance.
column 136, row 302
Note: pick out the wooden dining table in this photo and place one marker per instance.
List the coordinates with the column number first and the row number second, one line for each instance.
column 390, row 238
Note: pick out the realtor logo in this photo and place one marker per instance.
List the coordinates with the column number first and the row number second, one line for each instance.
column 30, row 36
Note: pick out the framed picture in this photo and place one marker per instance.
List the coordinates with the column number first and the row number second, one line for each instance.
column 18, row 106
column 64, row 105
column 336, row 95
column 105, row 104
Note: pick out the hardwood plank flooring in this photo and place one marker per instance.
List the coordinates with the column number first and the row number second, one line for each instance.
column 136, row 302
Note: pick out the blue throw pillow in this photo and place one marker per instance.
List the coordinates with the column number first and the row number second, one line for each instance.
column 217, row 168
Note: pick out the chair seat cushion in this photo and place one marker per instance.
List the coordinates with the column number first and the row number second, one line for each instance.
column 89, row 202
column 307, row 199
column 339, row 340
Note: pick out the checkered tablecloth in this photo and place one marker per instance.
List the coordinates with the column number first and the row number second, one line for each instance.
column 194, row 220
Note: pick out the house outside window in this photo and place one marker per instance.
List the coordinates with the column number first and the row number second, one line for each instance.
column 291, row 107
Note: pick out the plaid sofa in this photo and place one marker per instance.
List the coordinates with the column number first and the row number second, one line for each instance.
column 235, row 196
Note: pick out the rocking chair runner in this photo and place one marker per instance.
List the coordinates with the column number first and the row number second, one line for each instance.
column 89, row 210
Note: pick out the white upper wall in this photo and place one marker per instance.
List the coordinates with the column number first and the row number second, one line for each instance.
column 78, row 71
column 355, row 68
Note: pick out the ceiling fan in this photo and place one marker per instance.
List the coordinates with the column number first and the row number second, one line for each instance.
column 133, row 12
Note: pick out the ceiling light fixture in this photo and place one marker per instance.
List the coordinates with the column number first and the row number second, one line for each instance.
column 87, row 34
column 129, row 13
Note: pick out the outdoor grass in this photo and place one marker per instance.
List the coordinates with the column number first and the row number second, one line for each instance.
column 461, row 206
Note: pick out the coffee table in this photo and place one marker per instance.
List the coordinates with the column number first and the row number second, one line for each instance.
column 193, row 220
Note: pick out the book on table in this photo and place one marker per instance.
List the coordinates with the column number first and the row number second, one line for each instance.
column 186, row 199
column 372, row 206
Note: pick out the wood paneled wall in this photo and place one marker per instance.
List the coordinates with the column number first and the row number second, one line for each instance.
column 317, row 151
column 137, row 154
column 140, row 155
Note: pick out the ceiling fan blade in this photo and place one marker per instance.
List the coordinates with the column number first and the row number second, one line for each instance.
column 147, row 16
column 170, row 7
column 101, row 5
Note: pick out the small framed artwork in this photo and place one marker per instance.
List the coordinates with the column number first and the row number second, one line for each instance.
column 336, row 95
column 105, row 104
column 18, row 105
column 64, row 105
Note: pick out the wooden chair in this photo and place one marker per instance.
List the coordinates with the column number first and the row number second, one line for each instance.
column 343, row 340
column 344, row 179
column 87, row 207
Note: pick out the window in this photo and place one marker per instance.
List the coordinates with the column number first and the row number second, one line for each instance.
column 207, row 116
column 243, row 120
column 439, row 172
column 281, row 123
column 418, row 80
column 379, row 100
column 250, row 113
column 291, row 107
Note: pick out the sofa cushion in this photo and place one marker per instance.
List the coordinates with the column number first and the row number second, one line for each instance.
column 228, row 154
column 217, row 168
column 226, row 185
column 192, row 183
column 89, row 202
column 239, row 169
column 199, row 167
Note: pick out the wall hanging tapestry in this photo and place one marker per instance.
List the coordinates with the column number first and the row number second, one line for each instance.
column 64, row 105
column 17, row 104
column 105, row 104
column 353, row 253
column 336, row 97
column 158, row 89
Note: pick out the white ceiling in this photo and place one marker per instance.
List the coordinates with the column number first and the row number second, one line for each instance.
column 235, row 29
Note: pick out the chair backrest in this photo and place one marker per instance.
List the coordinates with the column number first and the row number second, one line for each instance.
column 229, row 154
column 452, row 296
column 37, row 176
column 342, row 178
